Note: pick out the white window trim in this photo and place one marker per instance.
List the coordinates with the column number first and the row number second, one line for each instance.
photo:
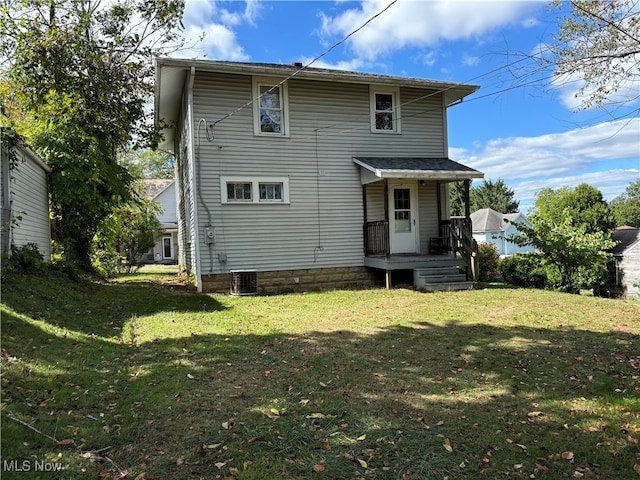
column 284, row 103
column 395, row 94
column 255, row 190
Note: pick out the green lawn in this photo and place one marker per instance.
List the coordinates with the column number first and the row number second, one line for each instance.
column 142, row 379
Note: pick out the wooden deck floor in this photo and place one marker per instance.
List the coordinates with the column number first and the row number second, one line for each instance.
column 411, row 261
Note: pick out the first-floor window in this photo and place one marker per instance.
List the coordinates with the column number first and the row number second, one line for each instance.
column 240, row 192
column 271, row 191
column 255, row 190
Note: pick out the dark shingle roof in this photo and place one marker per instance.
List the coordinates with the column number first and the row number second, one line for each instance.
column 627, row 236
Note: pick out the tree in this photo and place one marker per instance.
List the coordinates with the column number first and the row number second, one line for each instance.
column 598, row 41
column 456, row 197
column 569, row 247
column 572, row 228
column 497, row 196
column 80, row 73
column 626, row 207
column 147, row 163
column 129, row 232
column 584, row 203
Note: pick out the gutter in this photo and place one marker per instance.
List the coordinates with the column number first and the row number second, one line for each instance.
column 195, row 181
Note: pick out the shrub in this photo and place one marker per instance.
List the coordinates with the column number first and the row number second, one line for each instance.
column 524, row 270
column 28, row 259
column 488, row 260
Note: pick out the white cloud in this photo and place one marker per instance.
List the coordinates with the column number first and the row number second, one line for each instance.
column 215, row 39
column 555, row 160
column 421, row 23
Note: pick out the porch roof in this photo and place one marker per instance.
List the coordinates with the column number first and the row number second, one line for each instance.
column 374, row 169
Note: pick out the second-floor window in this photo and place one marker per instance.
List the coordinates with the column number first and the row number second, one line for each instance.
column 385, row 110
column 270, row 109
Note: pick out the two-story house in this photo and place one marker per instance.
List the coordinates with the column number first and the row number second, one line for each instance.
column 293, row 178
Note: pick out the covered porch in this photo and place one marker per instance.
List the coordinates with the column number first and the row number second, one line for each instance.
column 407, row 225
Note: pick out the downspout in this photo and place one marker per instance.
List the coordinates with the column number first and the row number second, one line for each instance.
column 194, row 173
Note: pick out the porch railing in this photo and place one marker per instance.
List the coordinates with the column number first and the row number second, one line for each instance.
column 376, row 238
column 462, row 242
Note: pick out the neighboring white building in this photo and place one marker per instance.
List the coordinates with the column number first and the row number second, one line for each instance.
column 626, row 255
column 490, row 226
column 24, row 198
column 163, row 191
column 305, row 176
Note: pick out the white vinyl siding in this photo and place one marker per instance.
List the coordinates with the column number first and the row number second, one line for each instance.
column 321, row 226
column 29, row 203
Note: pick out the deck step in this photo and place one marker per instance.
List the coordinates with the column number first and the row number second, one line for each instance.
column 440, row 278
column 445, row 287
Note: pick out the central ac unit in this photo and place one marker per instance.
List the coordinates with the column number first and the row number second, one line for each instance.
column 244, row 282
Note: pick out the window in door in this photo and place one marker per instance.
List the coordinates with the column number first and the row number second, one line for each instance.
column 402, row 210
column 167, row 247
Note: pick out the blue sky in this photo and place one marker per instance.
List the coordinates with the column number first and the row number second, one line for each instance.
column 529, row 136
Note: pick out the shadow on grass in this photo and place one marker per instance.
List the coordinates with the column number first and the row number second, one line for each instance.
column 98, row 308
column 422, row 401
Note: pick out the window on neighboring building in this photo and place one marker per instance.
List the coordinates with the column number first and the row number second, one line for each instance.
column 385, row 110
column 255, row 190
column 270, row 109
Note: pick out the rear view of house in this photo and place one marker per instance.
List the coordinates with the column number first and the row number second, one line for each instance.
column 24, row 197
column 301, row 178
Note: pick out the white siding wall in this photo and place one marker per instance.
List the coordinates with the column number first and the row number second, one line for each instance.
column 167, row 200
column 630, row 267
column 329, row 124
column 29, row 199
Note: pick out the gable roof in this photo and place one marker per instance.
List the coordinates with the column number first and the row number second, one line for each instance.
column 154, row 186
column 415, row 167
column 489, row 220
column 626, row 236
column 172, row 75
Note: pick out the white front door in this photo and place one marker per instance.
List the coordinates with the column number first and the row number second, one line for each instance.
column 403, row 225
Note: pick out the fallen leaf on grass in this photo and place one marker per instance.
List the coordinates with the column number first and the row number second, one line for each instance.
column 220, row 465
column 567, row 456
column 361, row 437
column 318, row 467
column 180, row 461
column 362, row 463
column 447, row 445
column 65, row 442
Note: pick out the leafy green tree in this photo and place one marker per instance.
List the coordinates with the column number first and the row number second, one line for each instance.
column 600, row 43
column 626, row 207
column 569, row 246
column 80, row 73
column 129, row 232
column 496, row 195
column 147, row 163
column 456, row 198
column 584, row 204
